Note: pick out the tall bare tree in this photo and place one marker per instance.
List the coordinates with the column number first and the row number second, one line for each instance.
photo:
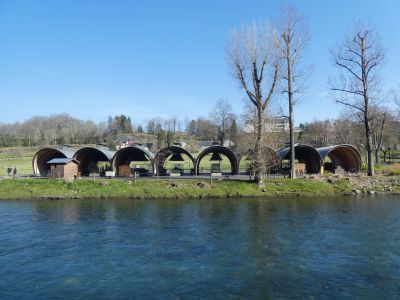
column 358, row 59
column 254, row 64
column 294, row 38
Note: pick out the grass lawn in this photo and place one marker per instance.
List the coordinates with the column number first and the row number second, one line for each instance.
column 21, row 157
column 103, row 188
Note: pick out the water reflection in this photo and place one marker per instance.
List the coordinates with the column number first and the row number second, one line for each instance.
column 252, row 248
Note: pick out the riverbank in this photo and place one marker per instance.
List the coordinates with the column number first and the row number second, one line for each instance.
column 172, row 189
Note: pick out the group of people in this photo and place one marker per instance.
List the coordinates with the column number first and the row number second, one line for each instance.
column 11, row 171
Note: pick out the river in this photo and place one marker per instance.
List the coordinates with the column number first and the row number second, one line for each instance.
column 340, row 247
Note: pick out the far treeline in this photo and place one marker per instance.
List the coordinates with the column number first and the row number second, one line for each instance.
column 267, row 62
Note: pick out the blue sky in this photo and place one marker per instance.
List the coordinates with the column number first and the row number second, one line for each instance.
column 145, row 59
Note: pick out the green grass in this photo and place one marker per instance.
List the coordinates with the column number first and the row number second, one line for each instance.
column 306, row 187
column 21, row 157
column 102, row 188
column 389, row 169
column 24, row 166
column 17, row 152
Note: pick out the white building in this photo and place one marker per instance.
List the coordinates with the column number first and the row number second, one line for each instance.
column 272, row 125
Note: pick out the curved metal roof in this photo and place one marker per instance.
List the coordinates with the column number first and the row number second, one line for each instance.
column 147, row 152
column 174, row 149
column 106, row 152
column 222, row 150
column 90, row 156
column 283, row 153
column 163, row 154
column 324, row 151
column 126, row 154
column 344, row 155
column 43, row 155
column 66, row 151
column 304, row 154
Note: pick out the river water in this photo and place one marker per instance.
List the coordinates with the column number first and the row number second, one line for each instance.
column 341, row 247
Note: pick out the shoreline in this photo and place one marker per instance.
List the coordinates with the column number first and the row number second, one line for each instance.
column 54, row 189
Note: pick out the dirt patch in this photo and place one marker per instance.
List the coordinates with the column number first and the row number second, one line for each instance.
column 203, row 185
column 173, row 184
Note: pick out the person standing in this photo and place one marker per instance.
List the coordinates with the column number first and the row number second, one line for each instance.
column 15, row 171
column 9, row 171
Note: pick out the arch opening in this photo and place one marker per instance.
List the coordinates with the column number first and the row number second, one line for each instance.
column 308, row 160
column 174, row 160
column 340, row 158
column 216, row 159
column 129, row 160
column 94, row 161
column 41, row 157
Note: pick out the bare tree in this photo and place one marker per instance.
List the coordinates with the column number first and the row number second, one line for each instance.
column 222, row 117
column 395, row 97
column 384, row 128
column 294, row 38
column 319, row 133
column 358, row 59
column 205, row 130
column 345, row 130
column 254, row 63
column 378, row 124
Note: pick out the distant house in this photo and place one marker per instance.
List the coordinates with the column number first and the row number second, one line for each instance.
column 272, row 125
column 66, row 168
column 181, row 144
column 205, row 144
column 228, row 143
column 122, row 145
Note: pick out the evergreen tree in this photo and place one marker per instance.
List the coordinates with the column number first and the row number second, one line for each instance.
column 191, row 130
column 161, row 137
column 233, row 133
column 170, row 138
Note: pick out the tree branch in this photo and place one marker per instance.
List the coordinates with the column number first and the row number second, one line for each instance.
column 271, row 91
column 350, row 105
column 243, row 82
column 348, row 69
column 359, row 93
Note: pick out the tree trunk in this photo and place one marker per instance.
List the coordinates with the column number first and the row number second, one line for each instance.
column 368, row 136
column 366, row 110
column 258, row 161
column 291, row 112
column 369, row 152
column 380, row 140
column 291, row 140
column 377, row 151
